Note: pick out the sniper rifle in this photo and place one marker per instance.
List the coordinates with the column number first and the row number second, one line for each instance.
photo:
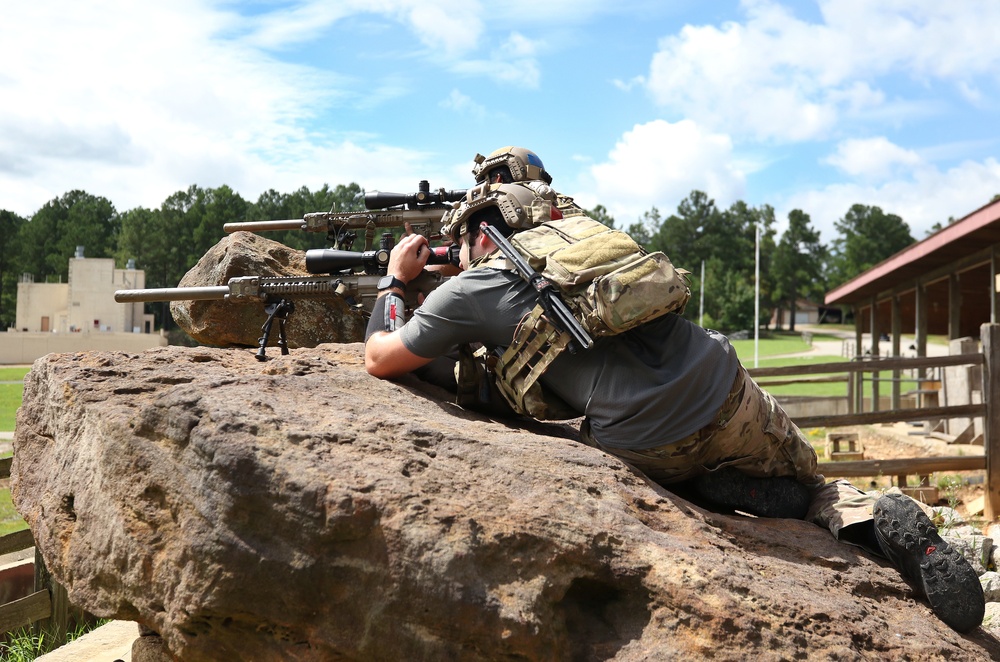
column 423, row 211
column 278, row 292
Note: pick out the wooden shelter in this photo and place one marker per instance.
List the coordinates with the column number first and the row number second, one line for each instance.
column 946, row 284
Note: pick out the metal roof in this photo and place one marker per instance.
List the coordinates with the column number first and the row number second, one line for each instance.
column 972, row 234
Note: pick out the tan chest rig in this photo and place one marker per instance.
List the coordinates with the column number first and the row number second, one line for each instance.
column 609, row 282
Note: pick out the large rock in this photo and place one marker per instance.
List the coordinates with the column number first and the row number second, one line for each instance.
column 227, row 323
column 302, row 510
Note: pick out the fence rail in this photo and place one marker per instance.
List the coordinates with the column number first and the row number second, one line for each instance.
column 891, row 416
column 853, row 373
column 906, row 466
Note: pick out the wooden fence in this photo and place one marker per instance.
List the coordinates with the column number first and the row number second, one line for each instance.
column 853, row 372
column 48, row 605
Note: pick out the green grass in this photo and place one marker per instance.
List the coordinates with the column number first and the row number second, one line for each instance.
column 771, row 346
column 13, row 374
column 831, row 389
column 10, row 396
column 10, row 521
column 10, row 400
column 26, row 645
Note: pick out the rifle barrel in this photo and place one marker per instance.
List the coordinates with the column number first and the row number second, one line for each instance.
column 265, row 226
column 173, row 294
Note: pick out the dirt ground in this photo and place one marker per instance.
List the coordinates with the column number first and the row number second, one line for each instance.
column 957, row 489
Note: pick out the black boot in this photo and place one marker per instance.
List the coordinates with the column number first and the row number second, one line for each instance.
column 765, row 497
column 910, row 540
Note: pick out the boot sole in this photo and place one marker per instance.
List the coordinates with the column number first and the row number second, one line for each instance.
column 911, row 541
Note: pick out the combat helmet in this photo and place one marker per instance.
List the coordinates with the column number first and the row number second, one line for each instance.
column 512, row 164
column 519, row 206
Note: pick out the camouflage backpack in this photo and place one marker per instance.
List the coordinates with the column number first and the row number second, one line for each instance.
column 609, row 282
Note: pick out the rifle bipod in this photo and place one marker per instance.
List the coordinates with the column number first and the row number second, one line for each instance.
column 280, row 311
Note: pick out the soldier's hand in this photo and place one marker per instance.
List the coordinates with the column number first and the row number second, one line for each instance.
column 409, row 257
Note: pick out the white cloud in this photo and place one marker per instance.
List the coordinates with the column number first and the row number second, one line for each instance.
column 659, row 164
column 463, row 104
column 627, row 85
column 948, row 40
column 513, row 62
column 778, row 77
column 451, row 27
column 299, row 24
column 873, row 158
column 135, row 101
column 450, row 31
column 455, row 26
column 930, row 196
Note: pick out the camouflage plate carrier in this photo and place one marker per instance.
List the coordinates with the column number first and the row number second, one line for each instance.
column 609, row 282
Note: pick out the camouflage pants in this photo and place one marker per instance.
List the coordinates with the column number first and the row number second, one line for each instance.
column 753, row 433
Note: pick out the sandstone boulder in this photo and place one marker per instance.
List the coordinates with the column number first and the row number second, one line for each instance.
column 226, row 323
column 301, row 510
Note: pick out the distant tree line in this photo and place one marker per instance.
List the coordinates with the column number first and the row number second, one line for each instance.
column 164, row 242
column 167, row 241
column 797, row 266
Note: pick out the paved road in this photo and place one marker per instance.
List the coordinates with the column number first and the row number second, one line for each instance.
column 844, row 344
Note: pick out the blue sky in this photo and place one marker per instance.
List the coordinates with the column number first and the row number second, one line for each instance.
column 630, row 103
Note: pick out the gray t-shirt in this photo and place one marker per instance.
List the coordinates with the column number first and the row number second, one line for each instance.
column 650, row 386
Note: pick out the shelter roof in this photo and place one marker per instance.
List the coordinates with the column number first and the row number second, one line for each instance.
column 965, row 237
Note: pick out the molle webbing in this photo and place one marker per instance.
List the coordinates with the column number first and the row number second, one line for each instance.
column 536, row 344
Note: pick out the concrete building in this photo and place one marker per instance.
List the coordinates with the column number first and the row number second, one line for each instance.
column 806, row 312
column 80, row 314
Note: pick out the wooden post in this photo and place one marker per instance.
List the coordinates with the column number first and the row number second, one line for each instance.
column 954, row 307
column 859, row 325
column 850, row 393
column 876, row 334
column 994, row 289
column 859, row 353
column 921, row 325
column 990, row 335
column 897, row 330
column 58, row 620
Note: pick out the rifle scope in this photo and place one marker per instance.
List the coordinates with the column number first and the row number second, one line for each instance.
column 423, row 196
column 329, row 260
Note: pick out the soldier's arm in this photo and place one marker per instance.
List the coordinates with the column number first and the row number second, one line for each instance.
column 386, row 356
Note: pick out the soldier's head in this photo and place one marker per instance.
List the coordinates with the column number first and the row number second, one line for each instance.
column 508, row 165
column 507, row 207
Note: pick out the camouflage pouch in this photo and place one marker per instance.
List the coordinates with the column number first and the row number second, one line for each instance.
column 642, row 290
column 608, row 280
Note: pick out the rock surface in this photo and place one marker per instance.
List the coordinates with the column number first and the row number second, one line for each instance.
column 225, row 323
column 301, row 510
